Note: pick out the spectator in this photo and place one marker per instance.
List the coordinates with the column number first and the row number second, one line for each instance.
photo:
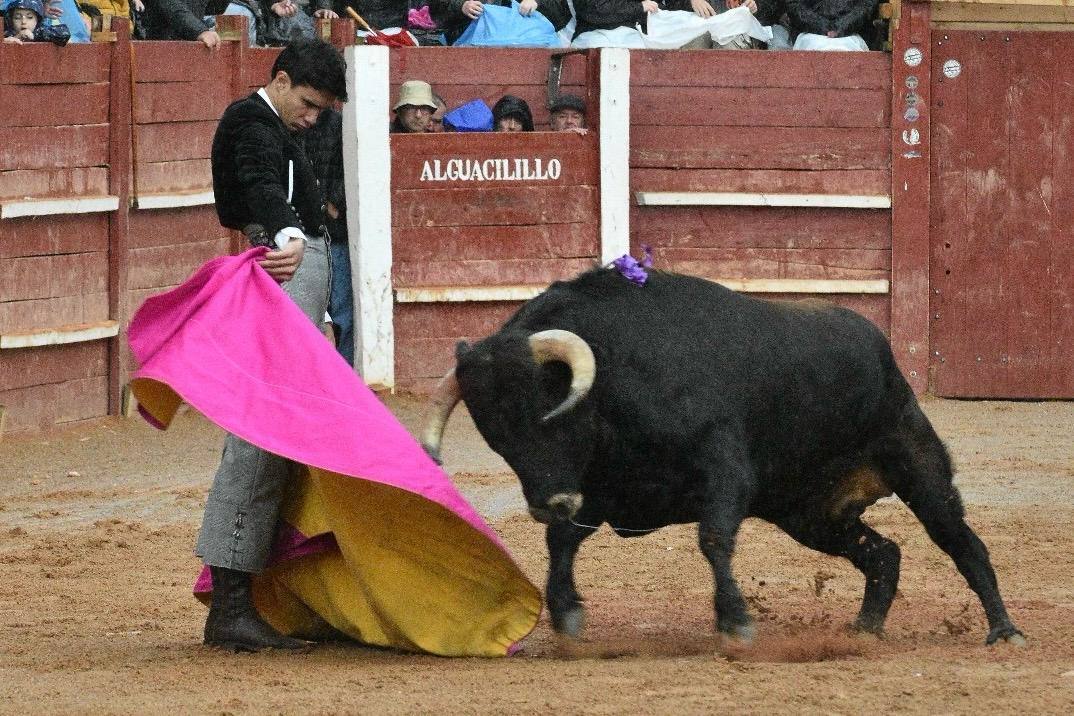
column 610, row 14
column 454, row 15
column 511, row 114
column 380, row 14
column 287, row 20
column 323, row 143
column 24, row 22
column 193, row 19
column 567, row 114
column 436, row 119
column 64, row 11
column 711, row 8
column 831, row 19
column 414, row 108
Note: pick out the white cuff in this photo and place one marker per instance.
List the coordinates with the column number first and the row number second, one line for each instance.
column 284, row 236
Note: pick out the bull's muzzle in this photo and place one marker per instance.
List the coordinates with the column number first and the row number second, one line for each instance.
column 559, row 508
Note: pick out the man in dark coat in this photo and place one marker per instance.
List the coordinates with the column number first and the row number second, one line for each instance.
column 832, row 18
column 264, row 185
column 455, row 15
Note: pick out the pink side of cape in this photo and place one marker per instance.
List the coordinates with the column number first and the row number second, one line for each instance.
column 232, row 344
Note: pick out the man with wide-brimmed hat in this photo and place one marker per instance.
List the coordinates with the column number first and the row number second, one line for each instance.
column 414, row 108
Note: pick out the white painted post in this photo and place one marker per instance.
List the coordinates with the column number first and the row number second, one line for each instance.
column 614, row 153
column 367, row 171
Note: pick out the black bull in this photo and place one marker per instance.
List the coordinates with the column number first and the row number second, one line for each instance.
column 682, row 401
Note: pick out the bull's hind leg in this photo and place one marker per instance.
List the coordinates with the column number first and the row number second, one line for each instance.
column 564, row 603
column 873, row 554
column 916, row 465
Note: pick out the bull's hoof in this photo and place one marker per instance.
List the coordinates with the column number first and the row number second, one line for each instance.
column 738, row 634
column 868, row 625
column 569, row 623
column 1007, row 633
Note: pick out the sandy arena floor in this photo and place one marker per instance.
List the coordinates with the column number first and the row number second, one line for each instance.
column 97, row 525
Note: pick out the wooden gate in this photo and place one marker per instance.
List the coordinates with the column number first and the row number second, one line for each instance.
column 1002, row 215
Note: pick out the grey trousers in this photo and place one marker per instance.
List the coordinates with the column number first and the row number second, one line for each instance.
column 239, row 525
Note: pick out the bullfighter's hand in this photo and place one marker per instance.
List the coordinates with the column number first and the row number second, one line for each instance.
column 702, row 8
column 281, row 265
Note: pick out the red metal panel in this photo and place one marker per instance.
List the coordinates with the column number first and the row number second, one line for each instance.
column 55, row 104
column 54, row 147
column 809, row 148
column 797, row 70
column 46, row 235
column 759, row 227
column 758, row 107
column 42, row 183
column 873, row 182
column 43, row 63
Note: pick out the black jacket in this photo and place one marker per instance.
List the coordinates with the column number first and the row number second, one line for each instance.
column 251, row 151
column 844, row 17
column 379, row 13
column 178, row 19
column 448, row 14
column 607, row 15
column 324, row 147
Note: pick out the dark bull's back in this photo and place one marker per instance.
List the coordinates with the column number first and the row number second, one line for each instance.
column 682, row 400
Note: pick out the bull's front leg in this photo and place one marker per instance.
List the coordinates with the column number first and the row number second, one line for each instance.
column 726, row 506
column 564, row 603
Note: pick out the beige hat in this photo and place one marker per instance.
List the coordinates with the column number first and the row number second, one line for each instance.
column 416, row 93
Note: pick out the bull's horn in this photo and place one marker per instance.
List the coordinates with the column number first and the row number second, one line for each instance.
column 568, row 347
column 443, row 401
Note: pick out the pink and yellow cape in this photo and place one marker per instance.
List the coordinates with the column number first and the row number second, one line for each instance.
column 378, row 544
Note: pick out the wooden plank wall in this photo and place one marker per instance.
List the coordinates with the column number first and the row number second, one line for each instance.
column 450, row 235
column 811, row 123
column 54, row 269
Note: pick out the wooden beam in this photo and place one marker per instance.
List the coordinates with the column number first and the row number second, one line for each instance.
column 1006, row 12
column 718, row 198
column 455, row 294
column 12, row 208
column 614, row 138
column 120, row 149
column 59, row 335
column 172, row 201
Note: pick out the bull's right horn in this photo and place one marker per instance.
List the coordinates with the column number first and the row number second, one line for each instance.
column 556, row 344
column 444, row 399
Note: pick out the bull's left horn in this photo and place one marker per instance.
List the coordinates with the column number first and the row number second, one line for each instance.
column 444, row 399
column 555, row 344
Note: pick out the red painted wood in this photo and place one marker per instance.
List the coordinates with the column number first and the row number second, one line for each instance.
column 493, row 206
column 44, row 63
column 52, row 404
column 54, row 147
column 204, row 98
column 50, row 183
column 120, row 143
column 190, row 175
column 173, row 227
column 485, row 273
column 37, row 314
column 797, row 70
column 776, row 263
column 451, row 320
column 174, row 141
column 426, row 357
column 760, row 227
column 47, row 276
column 873, row 182
column 55, row 104
column 166, row 61
column 715, row 107
column 814, row 148
column 544, row 241
column 27, row 367
column 46, row 235
column 170, row 265
column 1061, row 206
column 577, row 155
column 257, row 65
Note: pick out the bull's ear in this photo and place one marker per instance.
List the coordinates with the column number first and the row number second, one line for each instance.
column 461, row 349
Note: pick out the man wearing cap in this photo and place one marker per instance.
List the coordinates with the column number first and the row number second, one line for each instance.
column 567, row 114
column 414, row 109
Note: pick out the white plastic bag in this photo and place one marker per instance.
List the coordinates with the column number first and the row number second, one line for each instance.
column 850, row 43
column 671, row 29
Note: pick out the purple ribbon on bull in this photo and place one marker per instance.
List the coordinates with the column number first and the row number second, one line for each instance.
column 634, row 270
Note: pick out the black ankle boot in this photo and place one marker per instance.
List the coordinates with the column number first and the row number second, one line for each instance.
column 233, row 623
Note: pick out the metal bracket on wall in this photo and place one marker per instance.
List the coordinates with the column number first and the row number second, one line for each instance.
column 555, row 71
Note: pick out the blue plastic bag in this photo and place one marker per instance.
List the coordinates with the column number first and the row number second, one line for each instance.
column 500, row 26
column 474, row 116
